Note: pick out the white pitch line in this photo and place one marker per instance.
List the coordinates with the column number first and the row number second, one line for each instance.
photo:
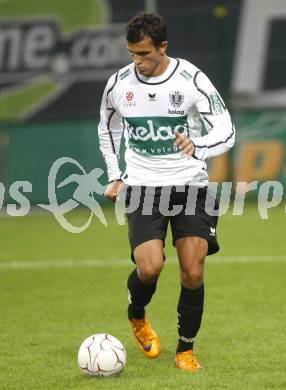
column 247, row 259
column 44, row 264
column 62, row 263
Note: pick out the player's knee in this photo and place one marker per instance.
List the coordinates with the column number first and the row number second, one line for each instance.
column 192, row 279
column 149, row 272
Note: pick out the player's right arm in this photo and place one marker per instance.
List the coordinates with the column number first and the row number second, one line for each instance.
column 113, row 189
column 110, row 133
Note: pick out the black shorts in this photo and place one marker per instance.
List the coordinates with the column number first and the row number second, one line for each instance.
column 191, row 219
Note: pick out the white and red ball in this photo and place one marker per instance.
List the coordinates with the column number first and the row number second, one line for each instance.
column 101, row 355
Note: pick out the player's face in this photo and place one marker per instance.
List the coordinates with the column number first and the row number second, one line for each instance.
column 148, row 59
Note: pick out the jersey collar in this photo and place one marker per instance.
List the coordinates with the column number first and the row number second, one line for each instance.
column 171, row 69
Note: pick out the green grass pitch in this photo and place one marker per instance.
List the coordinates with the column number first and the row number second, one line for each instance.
column 52, row 297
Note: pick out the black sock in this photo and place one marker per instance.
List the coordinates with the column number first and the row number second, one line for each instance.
column 190, row 311
column 140, row 295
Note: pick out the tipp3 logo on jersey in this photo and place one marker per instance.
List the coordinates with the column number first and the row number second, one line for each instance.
column 129, row 99
column 154, row 136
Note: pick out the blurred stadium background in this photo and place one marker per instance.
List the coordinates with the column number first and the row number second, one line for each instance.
column 55, row 58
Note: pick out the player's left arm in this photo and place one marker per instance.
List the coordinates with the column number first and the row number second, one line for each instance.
column 221, row 130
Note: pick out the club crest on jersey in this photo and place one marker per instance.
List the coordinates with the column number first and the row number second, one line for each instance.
column 176, row 98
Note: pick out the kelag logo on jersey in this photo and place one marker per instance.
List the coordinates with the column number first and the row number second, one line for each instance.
column 155, row 136
column 47, row 46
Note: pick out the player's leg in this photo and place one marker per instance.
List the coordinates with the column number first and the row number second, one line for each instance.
column 146, row 236
column 194, row 237
column 142, row 281
column 141, row 284
column 191, row 253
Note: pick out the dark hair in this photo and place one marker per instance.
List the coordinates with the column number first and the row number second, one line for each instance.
column 145, row 24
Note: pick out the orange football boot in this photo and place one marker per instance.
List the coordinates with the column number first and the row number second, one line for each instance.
column 146, row 338
column 187, row 361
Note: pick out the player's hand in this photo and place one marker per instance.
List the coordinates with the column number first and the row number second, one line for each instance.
column 185, row 144
column 113, row 189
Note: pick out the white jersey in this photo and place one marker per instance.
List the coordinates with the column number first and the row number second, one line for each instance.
column 148, row 111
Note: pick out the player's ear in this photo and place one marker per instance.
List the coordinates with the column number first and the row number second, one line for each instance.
column 163, row 47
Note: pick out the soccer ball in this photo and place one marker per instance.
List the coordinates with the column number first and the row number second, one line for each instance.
column 101, row 355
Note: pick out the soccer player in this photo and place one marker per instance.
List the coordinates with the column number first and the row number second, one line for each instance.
column 161, row 104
